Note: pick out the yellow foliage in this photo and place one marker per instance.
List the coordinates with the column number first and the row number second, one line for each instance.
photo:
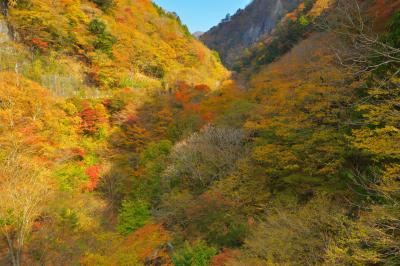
column 147, row 244
column 148, row 40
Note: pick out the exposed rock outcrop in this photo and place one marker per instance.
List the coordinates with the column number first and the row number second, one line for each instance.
column 246, row 27
column 4, row 31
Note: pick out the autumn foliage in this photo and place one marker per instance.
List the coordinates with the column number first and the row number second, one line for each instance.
column 93, row 172
column 92, row 118
column 122, row 142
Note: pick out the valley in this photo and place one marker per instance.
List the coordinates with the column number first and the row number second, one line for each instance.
column 271, row 139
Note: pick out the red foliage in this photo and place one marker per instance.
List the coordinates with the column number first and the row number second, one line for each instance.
column 40, row 44
column 93, row 172
column 182, row 85
column 37, row 225
column 30, row 136
column 207, row 117
column 190, row 97
column 90, row 119
column 132, row 118
column 79, row 152
column 182, row 96
column 202, row 88
column 94, row 75
column 193, row 107
column 146, row 242
column 223, row 258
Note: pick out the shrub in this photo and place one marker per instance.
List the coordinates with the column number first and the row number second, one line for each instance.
column 105, row 43
column 197, row 255
column 105, row 40
column 105, row 5
column 155, row 71
column 97, row 26
column 132, row 215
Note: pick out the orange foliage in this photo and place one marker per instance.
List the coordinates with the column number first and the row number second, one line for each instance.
column 94, row 74
column 206, row 202
column 201, row 55
column 29, row 115
column 191, row 96
column 149, row 243
column 202, row 88
column 40, row 44
column 91, row 119
column 79, row 152
column 208, row 117
column 181, row 96
column 93, row 172
column 382, row 10
column 223, row 258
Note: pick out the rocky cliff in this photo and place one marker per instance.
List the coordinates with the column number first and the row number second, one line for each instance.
column 243, row 29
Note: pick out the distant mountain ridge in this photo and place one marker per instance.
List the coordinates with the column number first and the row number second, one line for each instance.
column 198, row 34
column 246, row 27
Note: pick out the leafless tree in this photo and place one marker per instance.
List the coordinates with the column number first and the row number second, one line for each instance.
column 24, row 190
column 359, row 47
column 207, row 156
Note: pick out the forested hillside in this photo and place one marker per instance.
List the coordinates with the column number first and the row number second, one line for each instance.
column 106, row 45
column 124, row 141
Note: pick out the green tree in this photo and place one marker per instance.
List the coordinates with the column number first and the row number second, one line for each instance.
column 198, row 254
column 148, row 183
column 132, row 215
column 105, row 5
column 105, row 40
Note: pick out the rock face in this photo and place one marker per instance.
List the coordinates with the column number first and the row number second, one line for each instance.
column 4, row 31
column 243, row 29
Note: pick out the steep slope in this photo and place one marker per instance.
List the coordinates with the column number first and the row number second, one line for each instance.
column 126, row 44
column 291, row 29
column 244, row 28
column 69, row 72
column 299, row 165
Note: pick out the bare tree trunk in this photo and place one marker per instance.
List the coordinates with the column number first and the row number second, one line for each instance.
column 11, row 249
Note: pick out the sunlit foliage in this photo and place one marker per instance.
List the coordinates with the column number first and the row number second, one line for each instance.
column 121, row 142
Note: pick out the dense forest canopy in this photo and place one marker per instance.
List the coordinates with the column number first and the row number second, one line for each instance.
column 124, row 140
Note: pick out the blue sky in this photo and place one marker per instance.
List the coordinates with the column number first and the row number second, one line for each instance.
column 201, row 15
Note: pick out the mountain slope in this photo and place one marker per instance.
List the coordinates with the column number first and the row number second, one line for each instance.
column 298, row 163
column 127, row 44
column 75, row 79
column 244, row 28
